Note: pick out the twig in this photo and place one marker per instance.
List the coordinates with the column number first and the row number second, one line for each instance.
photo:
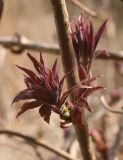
column 108, row 108
column 112, row 56
column 85, row 8
column 24, row 43
column 115, row 147
column 65, row 41
column 40, row 144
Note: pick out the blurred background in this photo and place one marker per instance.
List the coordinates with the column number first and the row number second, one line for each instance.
column 34, row 20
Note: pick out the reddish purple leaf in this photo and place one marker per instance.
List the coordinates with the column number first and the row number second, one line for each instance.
column 61, row 83
column 70, row 91
column 29, row 82
column 90, row 38
column 41, row 59
column 54, row 66
column 44, row 95
column 45, row 112
column 29, row 73
column 85, row 104
column 28, row 105
column 23, row 95
column 82, row 73
column 99, row 34
column 35, row 62
column 54, row 72
column 91, row 90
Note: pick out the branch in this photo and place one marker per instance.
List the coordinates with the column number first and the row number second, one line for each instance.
column 108, row 108
column 85, row 8
column 65, row 42
column 112, row 56
column 21, row 43
column 13, row 44
column 39, row 144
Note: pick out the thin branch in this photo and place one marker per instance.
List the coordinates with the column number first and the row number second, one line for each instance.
column 39, row 144
column 12, row 43
column 21, row 43
column 112, row 56
column 65, row 41
column 117, row 142
column 108, row 108
column 85, row 8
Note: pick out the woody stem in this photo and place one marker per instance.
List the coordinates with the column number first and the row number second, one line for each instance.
column 67, row 53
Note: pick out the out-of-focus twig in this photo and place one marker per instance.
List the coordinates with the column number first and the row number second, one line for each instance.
column 14, row 44
column 112, row 56
column 108, row 108
column 23, row 43
column 85, row 8
column 39, row 144
column 115, row 147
